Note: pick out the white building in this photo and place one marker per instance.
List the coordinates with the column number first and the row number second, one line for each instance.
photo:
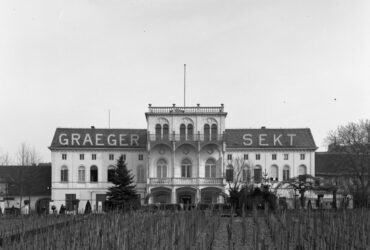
column 182, row 156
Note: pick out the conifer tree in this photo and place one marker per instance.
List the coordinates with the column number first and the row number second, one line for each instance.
column 87, row 208
column 123, row 194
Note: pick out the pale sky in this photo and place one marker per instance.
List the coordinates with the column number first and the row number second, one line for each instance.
column 280, row 64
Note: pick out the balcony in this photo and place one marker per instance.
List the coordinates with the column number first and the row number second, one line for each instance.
column 190, row 138
column 186, row 110
column 186, row 181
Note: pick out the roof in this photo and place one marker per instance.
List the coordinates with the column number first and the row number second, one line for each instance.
column 333, row 163
column 98, row 138
column 28, row 180
column 294, row 138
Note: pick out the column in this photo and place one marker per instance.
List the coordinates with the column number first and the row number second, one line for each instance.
column 150, row 201
column 173, row 195
column 173, row 160
column 198, row 199
column 198, row 156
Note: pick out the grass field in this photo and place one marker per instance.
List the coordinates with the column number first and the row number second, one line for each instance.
column 190, row 230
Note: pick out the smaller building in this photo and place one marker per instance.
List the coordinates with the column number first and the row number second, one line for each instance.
column 23, row 185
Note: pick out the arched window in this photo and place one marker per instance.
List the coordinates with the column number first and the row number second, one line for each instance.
column 230, row 173
column 211, row 168
column 214, row 132
column 64, row 174
column 162, row 168
column 140, row 174
column 206, row 132
column 246, row 173
column 182, row 131
column 302, row 170
column 81, row 174
column 190, row 132
column 257, row 174
column 93, row 174
column 158, row 131
column 166, row 132
column 186, row 168
column 286, row 173
column 274, row 173
column 111, row 173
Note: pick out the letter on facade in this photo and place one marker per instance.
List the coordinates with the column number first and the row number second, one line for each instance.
column 98, row 140
column 112, row 141
column 75, row 139
column 122, row 139
column 134, row 140
column 247, row 140
column 63, row 141
column 262, row 139
column 291, row 138
column 88, row 139
column 277, row 139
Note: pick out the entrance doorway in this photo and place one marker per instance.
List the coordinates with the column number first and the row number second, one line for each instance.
column 185, row 199
column 100, row 199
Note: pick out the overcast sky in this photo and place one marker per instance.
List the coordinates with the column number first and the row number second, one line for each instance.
column 272, row 63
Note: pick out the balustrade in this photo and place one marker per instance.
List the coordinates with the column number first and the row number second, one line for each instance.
column 183, row 137
column 186, row 181
column 197, row 109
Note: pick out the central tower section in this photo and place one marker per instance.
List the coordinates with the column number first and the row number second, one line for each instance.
column 186, row 147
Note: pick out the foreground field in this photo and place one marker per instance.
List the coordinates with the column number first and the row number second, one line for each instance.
column 190, row 230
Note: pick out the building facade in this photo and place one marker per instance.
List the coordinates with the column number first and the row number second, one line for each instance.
column 183, row 156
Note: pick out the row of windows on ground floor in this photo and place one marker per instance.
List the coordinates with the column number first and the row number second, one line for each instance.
column 256, row 175
column 94, row 174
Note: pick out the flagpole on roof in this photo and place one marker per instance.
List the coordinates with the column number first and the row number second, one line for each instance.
column 184, row 85
column 108, row 118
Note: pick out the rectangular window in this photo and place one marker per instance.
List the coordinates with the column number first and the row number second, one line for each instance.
column 141, row 157
column 257, row 175
column 111, row 157
column 82, row 156
column 285, row 174
column 245, row 157
column 229, row 157
column 303, row 156
column 93, row 156
column 81, row 175
column 274, row 156
column 69, row 201
column 258, row 157
column 64, row 156
column 124, row 157
column 286, row 156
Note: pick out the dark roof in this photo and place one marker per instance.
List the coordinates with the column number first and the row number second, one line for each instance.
column 28, row 180
column 294, row 138
column 98, row 138
column 334, row 163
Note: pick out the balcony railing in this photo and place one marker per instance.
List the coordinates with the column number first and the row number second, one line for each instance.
column 180, row 137
column 186, row 181
column 197, row 109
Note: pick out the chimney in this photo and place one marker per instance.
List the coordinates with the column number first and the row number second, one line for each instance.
column 263, row 127
column 92, row 127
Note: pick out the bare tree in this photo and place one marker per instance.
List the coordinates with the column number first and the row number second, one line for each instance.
column 5, row 159
column 27, row 155
column 237, row 176
column 352, row 141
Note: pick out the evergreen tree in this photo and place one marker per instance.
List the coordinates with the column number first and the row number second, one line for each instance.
column 123, row 194
column 87, row 208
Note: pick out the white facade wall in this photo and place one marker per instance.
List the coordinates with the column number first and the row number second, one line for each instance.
column 266, row 161
column 87, row 190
